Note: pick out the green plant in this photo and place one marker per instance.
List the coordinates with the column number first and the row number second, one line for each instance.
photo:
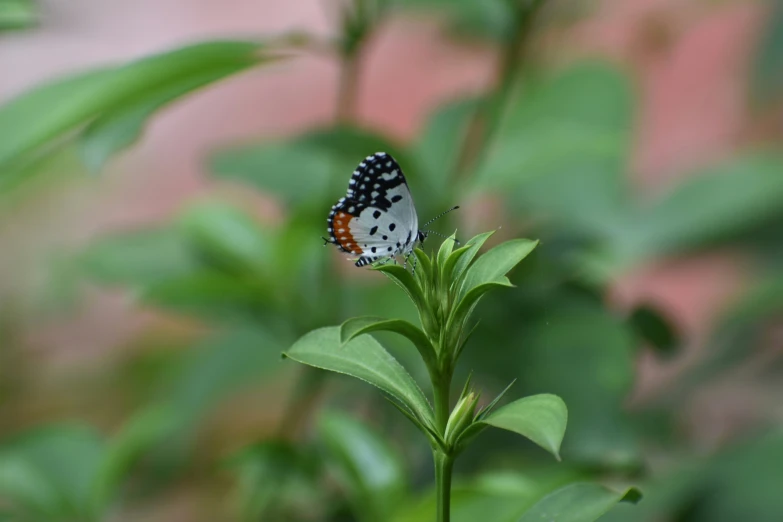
column 445, row 290
column 70, row 472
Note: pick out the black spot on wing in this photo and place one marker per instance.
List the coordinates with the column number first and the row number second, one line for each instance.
column 373, row 178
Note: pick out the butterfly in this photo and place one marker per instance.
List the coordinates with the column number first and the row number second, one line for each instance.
column 376, row 220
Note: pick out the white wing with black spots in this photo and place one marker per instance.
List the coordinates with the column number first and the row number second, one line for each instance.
column 377, row 218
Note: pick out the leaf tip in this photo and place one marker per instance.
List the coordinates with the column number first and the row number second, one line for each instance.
column 632, row 496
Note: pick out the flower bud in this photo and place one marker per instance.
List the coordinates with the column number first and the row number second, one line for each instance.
column 461, row 417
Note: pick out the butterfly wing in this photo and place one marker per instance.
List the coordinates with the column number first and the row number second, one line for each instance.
column 377, row 217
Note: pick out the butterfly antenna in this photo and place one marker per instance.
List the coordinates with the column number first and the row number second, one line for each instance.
column 444, row 236
column 439, row 216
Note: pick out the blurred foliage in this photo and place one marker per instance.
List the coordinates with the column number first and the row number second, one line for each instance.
column 556, row 162
column 68, row 472
column 17, row 14
column 767, row 76
column 108, row 107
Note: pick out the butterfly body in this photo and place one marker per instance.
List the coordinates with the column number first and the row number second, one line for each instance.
column 377, row 218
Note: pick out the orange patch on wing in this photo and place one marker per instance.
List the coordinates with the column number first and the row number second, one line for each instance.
column 343, row 233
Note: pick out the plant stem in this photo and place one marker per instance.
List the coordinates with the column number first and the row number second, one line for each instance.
column 348, row 87
column 441, row 387
column 307, row 389
column 443, row 467
column 485, row 120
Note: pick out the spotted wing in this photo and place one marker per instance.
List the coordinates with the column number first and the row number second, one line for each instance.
column 377, row 217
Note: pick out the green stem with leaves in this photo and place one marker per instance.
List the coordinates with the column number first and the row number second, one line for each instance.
column 445, row 289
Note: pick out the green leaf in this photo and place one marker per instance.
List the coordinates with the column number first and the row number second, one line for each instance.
column 492, row 266
column 161, row 268
column 424, row 269
column 469, row 302
column 743, row 481
column 291, row 170
column 405, row 280
column 451, row 262
column 500, row 496
column 580, row 502
column 307, row 167
column 216, row 367
column 34, row 120
column 141, row 433
column 28, row 489
column 17, row 14
column 445, row 250
column 579, row 114
column 209, row 294
column 488, row 19
column 436, row 441
column 363, row 325
column 439, row 146
column 540, row 418
column 364, row 359
column 717, row 205
column 50, row 471
column 491, row 406
column 368, row 467
column 229, row 238
column 120, row 128
column 138, row 258
column 461, row 261
column 577, row 349
column 655, row 329
column 561, row 153
column 275, row 476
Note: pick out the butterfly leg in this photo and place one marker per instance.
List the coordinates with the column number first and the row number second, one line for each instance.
column 415, row 260
column 386, row 260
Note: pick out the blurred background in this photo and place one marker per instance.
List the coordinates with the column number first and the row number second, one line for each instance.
column 165, row 174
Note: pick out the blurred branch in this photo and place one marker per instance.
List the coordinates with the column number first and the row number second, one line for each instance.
column 348, row 88
column 307, row 388
column 484, row 121
column 358, row 20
